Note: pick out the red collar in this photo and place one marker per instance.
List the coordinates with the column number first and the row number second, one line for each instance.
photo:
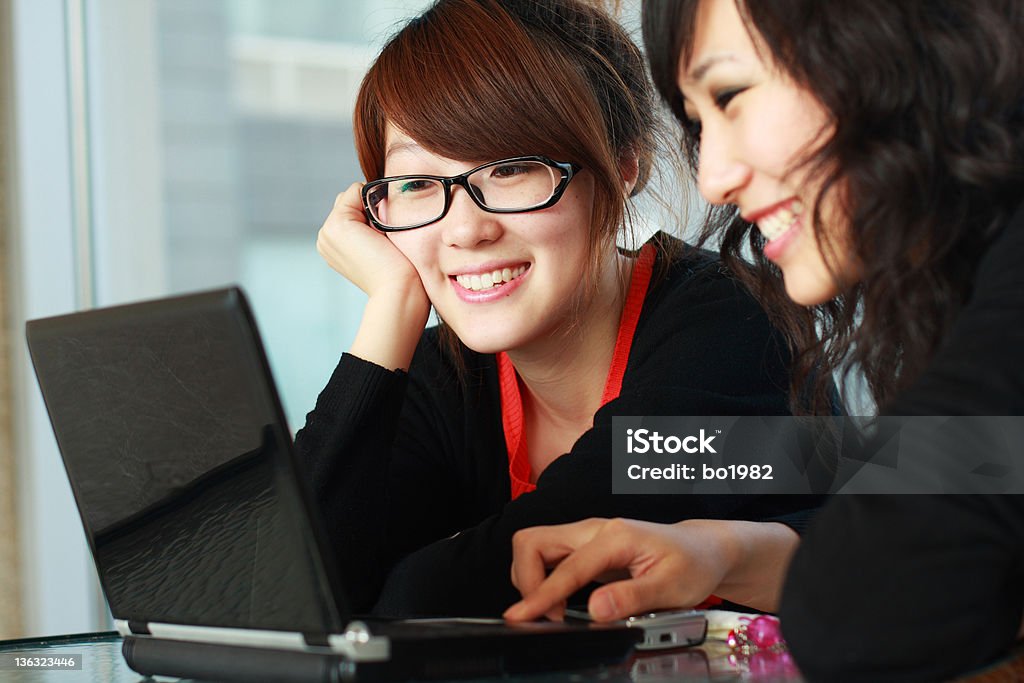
column 511, row 402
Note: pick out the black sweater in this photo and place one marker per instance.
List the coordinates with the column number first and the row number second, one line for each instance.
column 920, row 588
column 411, row 470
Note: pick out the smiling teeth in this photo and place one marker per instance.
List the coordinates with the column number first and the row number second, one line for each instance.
column 478, row 283
column 779, row 222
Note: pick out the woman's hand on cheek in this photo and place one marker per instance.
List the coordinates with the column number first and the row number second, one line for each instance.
column 365, row 256
column 398, row 306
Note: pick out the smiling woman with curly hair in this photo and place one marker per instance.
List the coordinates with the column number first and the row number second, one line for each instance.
column 870, row 155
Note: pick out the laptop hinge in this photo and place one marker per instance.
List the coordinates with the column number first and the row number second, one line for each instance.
column 360, row 645
column 138, row 627
column 316, row 639
column 129, row 627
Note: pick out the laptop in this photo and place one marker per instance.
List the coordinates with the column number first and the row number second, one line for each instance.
column 199, row 517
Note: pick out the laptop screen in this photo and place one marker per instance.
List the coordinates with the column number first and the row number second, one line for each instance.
column 179, row 460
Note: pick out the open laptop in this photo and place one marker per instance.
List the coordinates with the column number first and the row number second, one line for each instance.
column 198, row 515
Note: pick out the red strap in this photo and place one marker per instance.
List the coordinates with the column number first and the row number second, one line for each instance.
column 638, row 284
column 519, row 470
column 512, row 423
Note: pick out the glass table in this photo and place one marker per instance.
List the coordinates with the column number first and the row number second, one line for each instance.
column 97, row 657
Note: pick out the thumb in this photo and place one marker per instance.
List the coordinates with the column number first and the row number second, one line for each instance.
column 629, row 597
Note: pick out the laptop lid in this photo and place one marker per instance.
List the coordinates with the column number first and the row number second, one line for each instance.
column 181, row 465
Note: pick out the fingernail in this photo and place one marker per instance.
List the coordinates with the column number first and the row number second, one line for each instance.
column 602, row 606
column 514, row 611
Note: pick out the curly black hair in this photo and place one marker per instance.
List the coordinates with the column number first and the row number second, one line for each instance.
column 927, row 102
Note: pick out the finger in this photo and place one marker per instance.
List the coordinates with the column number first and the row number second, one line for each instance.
column 351, row 197
column 537, row 548
column 556, row 613
column 348, row 206
column 574, row 572
column 533, row 551
column 336, row 232
column 644, row 593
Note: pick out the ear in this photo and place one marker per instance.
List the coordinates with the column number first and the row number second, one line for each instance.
column 629, row 171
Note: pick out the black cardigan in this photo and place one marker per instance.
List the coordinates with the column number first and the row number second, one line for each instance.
column 920, row 588
column 411, row 471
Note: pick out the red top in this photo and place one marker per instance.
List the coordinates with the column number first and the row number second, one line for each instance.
column 519, row 471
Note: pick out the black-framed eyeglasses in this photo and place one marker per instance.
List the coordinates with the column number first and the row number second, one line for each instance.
column 516, row 185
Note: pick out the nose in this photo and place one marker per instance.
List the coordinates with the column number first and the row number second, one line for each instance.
column 720, row 173
column 466, row 224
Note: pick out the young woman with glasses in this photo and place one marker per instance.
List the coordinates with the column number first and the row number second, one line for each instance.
column 873, row 154
column 503, row 140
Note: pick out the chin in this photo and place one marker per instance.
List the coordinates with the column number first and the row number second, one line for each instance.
column 482, row 343
column 808, row 290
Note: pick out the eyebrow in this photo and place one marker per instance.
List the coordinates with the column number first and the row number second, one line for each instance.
column 408, row 146
column 697, row 73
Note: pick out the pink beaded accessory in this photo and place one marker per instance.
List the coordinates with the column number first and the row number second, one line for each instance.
column 757, row 647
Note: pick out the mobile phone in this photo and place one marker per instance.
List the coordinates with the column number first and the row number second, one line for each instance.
column 662, row 630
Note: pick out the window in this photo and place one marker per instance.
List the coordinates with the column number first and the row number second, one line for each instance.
column 163, row 146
